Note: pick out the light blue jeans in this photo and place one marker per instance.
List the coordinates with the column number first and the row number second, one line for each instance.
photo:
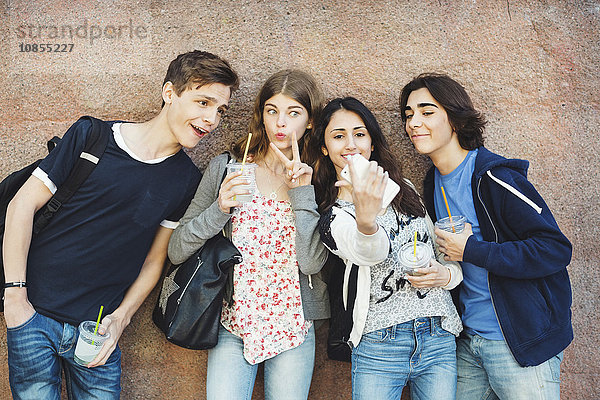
column 488, row 371
column 418, row 352
column 37, row 352
column 287, row 375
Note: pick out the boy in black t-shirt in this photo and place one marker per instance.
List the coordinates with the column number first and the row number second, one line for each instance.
column 108, row 244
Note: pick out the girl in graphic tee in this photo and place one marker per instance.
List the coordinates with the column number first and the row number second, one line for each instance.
column 403, row 326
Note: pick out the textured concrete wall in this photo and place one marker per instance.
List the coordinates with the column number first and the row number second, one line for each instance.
column 531, row 66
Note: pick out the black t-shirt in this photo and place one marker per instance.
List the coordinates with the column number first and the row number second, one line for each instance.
column 95, row 246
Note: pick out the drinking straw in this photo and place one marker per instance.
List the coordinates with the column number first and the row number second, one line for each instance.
column 98, row 321
column 448, row 209
column 246, row 151
column 415, row 245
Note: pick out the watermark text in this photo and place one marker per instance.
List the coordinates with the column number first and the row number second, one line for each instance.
column 83, row 30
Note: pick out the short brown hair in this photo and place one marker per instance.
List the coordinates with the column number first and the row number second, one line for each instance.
column 199, row 68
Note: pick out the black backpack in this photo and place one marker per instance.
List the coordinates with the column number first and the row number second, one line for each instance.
column 340, row 323
column 93, row 150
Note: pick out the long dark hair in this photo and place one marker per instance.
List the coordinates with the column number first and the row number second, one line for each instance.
column 293, row 83
column 467, row 122
column 324, row 175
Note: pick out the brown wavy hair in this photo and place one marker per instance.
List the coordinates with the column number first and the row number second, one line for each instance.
column 324, row 176
column 293, row 83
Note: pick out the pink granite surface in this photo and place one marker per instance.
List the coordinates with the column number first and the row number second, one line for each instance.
column 531, row 66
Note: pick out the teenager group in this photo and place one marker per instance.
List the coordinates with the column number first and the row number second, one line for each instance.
column 489, row 317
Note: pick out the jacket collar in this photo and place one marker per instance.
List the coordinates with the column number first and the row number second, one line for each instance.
column 486, row 160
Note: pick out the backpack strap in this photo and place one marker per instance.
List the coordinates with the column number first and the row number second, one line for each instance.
column 52, row 143
column 228, row 161
column 90, row 156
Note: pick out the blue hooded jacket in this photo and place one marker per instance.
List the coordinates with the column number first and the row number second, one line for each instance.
column 525, row 254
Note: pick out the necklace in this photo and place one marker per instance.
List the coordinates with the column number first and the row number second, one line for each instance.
column 273, row 194
column 271, row 171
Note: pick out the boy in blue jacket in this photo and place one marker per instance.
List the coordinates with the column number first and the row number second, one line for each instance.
column 515, row 298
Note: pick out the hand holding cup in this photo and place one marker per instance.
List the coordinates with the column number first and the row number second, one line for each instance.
column 436, row 275
column 237, row 187
column 453, row 244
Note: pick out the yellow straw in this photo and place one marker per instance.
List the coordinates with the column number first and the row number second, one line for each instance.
column 246, row 151
column 98, row 321
column 448, row 209
column 415, row 246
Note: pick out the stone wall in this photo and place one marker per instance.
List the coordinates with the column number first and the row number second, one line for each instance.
column 531, row 66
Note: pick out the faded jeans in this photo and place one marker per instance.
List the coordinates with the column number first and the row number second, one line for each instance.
column 418, row 353
column 37, row 352
column 487, row 370
column 287, row 375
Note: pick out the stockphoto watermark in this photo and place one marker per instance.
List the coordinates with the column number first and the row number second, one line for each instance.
column 64, row 37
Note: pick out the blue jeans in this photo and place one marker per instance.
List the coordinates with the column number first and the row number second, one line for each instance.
column 37, row 352
column 287, row 375
column 487, row 370
column 417, row 352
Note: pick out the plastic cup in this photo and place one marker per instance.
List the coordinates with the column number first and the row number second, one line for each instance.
column 249, row 174
column 88, row 344
column 411, row 261
column 458, row 222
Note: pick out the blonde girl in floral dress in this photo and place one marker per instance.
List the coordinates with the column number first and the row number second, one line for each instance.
column 276, row 293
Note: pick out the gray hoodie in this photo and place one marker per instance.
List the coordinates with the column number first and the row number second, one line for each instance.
column 204, row 219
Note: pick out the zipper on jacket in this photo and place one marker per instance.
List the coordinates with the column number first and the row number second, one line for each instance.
column 487, row 272
column 485, row 208
column 495, row 313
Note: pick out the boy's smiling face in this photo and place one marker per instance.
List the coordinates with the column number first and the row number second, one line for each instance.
column 196, row 112
column 427, row 123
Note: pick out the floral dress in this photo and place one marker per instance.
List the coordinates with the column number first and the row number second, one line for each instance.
column 267, row 308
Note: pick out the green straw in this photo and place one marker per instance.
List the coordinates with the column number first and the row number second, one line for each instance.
column 98, row 321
